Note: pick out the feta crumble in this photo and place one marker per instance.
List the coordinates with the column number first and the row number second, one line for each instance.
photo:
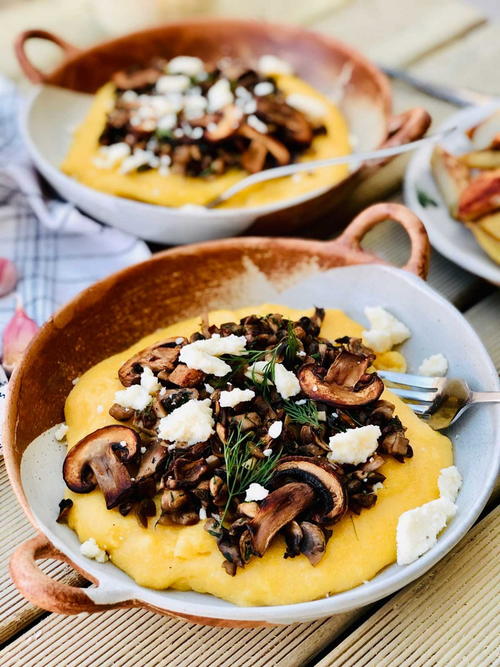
column 355, row 445
column 257, row 124
column 149, row 381
column 307, row 105
column 203, row 355
column 134, row 397
column 202, row 513
column 188, row 65
column 449, row 483
column 219, row 95
column 385, row 330
column 208, row 388
column 286, row 382
column 61, row 431
column 255, row 492
column 109, row 156
column 229, row 399
column 270, row 64
column 267, row 452
column 190, row 423
column 173, row 83
column 419, row 528
column 90, row 549
column 262, row 88
column 434, row 366
column 275, row 429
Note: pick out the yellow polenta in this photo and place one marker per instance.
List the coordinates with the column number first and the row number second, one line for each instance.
column 177, row 190
column 187, row 558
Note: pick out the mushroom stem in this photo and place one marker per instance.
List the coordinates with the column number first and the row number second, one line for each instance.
column 279, row 508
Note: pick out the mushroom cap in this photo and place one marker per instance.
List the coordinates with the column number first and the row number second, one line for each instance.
column 277, row 509
column 159, row 357
column 99, row 460
column 322, row 477
column 329, row 388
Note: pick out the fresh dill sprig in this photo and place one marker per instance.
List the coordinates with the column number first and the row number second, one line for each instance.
column 239, row 474
column 292, row 343
column 303, row 413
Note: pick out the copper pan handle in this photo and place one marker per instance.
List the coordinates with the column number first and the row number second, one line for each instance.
column 45, row 592
column 32, row 72
column 350, row 239
column 401, row 129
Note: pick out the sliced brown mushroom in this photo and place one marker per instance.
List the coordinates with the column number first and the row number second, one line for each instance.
column 158, row 357
column 183, row 376
column 226, row 126
column 293, row 538
column 188, row 473
column 251, row 160
column 99, row 460
column 322, row 477
column 64, row 507
column 151, row 467
column 296, row 126
column 140, row 78
column 313, row 544
column 277, row 509
column 344, row 384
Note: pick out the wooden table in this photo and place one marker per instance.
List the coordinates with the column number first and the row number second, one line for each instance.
column 449, row 616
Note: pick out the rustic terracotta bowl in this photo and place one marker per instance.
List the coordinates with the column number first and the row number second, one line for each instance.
column 366, row 103
column 181, row 283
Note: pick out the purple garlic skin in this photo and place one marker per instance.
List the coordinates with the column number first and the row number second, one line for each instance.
column 16, row 336
column 8, row 276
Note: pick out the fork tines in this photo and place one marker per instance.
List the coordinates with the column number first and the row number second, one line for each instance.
column 424, row 390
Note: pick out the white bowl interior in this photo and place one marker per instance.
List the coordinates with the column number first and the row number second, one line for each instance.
column 436, row 327
column 449, row 236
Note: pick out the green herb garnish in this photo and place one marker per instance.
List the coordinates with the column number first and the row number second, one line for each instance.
column 302, row 413
column 425, row 200
column 239, row 474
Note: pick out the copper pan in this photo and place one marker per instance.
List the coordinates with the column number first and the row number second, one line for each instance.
column 117, row 311
column 320, row 60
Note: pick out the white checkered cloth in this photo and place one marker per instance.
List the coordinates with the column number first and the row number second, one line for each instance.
column 57, row 250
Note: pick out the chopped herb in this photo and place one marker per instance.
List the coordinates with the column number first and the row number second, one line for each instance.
column 306, row 413
column 425, row 200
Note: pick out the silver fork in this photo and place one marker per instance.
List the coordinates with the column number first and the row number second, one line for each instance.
column 440, row 401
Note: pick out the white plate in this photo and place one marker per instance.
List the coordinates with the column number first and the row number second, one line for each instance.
column 475, row 437
column 449, row 236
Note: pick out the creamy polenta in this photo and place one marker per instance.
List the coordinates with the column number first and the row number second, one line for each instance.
column 187, row 557
column 175, row 189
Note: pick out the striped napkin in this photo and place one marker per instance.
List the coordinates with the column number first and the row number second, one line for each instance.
column 57, row 250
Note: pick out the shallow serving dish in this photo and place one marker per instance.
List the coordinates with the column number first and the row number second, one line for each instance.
column 112, row 314
column 58, row 106
column 450, row 236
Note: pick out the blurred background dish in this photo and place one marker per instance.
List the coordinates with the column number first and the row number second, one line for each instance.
column 342, row 74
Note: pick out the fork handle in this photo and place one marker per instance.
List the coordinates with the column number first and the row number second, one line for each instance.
column 485, row 397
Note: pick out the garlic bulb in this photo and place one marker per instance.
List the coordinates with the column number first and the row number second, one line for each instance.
column 16, row 336
column 8, row 276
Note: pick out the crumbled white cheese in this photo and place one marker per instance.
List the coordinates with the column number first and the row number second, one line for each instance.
column 267, row 452
column 197, row 133
column 257, row 124
column 385, row 330
column 61, row 431
column 219, row 95
column 249, row 107
column 143, row 450
column 263, row 88
column 194, row 106
column 173, row 83
column 149, row 381
column 188, row 65
column 270, row 64
column 434, row 366
column 308, row 105
column 167, row 122
column 171, row 448
column 418, row 529
column 110, row 156
column 302, row 401
column 286, row 382
column 378, row 486
column 100, row 409
column 202, row 513
column 75, row 381
column 354, row 445
column 129, row 96
column 229, row 399
column 255, row 492
column 275, row 429
column 203, row 355
column 449, row 483
column 135, row 397
column 208, row 388
column 190, row 423
column 322, row 415
column 139, row 158
column 165, row 162
column 90, row 549
column 179, row 340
